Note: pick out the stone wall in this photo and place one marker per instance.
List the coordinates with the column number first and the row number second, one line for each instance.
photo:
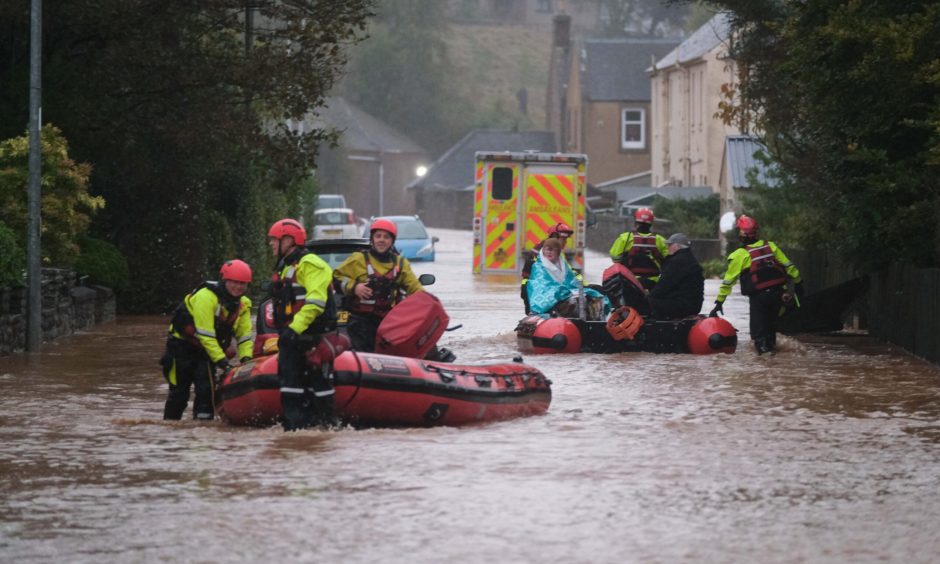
column 66, row 307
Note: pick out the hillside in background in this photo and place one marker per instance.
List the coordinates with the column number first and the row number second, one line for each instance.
column 491, row 65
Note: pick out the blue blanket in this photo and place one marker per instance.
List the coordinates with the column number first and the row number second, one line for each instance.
column 544, row 292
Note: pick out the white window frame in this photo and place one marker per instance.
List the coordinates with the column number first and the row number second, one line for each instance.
column 632, row 144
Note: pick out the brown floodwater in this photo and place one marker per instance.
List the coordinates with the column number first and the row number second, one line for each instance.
column 827, row 452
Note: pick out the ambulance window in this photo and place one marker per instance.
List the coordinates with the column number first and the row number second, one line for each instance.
column 502, row 183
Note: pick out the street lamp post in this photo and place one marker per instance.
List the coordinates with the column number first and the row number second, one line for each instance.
column 33, row 249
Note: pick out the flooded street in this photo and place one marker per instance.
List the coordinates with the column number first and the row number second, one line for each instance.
column 827, row 452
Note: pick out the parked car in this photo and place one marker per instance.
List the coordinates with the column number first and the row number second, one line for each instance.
column 335, row 223
column 413, row 241
column 330, row 201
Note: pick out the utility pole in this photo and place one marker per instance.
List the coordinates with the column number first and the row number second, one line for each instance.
column 33, row 249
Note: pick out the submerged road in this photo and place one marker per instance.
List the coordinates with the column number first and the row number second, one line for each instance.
column 827, row 452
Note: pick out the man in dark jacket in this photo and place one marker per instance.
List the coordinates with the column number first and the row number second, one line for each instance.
column 681, row 288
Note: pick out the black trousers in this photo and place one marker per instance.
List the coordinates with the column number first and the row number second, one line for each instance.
column 306, row 394
column 671, row 309
column 186, row 366
column 765, row 309
column 362, row 328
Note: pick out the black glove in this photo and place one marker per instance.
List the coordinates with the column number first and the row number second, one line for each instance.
column 244, row 359
column 222, row 366
column 716, row 310
column 288, row 339
column 798, row 288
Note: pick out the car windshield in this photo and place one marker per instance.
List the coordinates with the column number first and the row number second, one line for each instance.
column 332, row 218
column 411, row 230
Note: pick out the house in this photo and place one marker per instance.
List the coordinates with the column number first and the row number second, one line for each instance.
column 444, row 195
column 691, row 146
column 603, row 101
column 372, row 163
column 688, row 140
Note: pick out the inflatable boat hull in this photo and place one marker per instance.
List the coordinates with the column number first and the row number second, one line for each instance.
column 381, row 390
column 696, row 335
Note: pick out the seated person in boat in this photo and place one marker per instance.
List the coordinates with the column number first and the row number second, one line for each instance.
column 681, row 288
column 554, row 287
column 372, row 282
column 560, row 231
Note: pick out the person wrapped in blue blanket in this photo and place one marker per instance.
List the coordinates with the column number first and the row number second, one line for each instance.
column 553, row 287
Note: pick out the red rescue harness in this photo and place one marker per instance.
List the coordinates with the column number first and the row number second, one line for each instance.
column 766, row 271
column 385, row 290
column 644, row 257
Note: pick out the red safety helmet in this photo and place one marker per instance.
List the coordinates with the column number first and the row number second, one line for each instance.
column 236, row 271
column 747, row 226
column 560, row 228
column 384, row 225
column 644, row 215
column 288, row 228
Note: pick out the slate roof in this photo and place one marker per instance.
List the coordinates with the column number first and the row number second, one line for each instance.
column 360, row 130
column 615, row 69
column 715, row 31
column 739, row 158
column 454, row 169
column 631, row 194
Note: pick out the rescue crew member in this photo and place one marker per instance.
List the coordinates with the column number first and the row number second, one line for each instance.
column 640, row 250
column 561, row 231
column 304, row 309
column 681, row 288
column 764, row 271
column 201, row 329
column 373, row 281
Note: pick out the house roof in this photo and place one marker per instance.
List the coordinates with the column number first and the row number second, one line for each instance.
column 615, row 69
column 712, row 33
column 644, row 194
column 361, row 131
column 454, row 169
column 638, row 179
column 739, row 159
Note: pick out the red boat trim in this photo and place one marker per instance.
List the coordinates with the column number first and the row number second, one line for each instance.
column 443, row 390
column 244, row 386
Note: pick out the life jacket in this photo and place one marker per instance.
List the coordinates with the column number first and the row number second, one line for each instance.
column 385, row 289
column 287, row 297
column 765, row 272
column 183, row 323
column 644, row 257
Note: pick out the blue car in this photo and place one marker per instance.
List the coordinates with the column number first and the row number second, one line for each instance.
column 413, row 241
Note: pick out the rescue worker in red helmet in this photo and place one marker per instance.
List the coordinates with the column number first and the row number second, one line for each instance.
column 201, row 329
column 640, row 250
column 561, row 231
column 372, row 282
column 304, row 309
column 764, row 271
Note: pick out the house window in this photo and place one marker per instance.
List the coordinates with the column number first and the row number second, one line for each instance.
column 633, row 128
column 544, row 6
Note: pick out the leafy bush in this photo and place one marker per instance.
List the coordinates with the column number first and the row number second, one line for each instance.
column 12, row 259
column 714, row 268
column 66, row 204
column 696, row 217
column 103, row 263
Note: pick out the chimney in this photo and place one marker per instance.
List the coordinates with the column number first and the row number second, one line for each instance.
column 562, row 30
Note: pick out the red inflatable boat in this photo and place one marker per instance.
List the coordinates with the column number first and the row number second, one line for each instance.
column 629, row 328
column 381, row 390
column 397, row 387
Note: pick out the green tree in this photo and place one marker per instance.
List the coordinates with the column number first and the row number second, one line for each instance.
column 184, row 111
column 66, row 206
column 847, row 95
column 646, row 17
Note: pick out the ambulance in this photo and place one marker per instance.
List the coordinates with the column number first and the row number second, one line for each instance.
column 518, row 197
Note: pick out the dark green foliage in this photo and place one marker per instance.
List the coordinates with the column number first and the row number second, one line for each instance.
column 696, row 217
column 103, row 263
column 178, row 117
column 12, row 259
column 848, row 95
